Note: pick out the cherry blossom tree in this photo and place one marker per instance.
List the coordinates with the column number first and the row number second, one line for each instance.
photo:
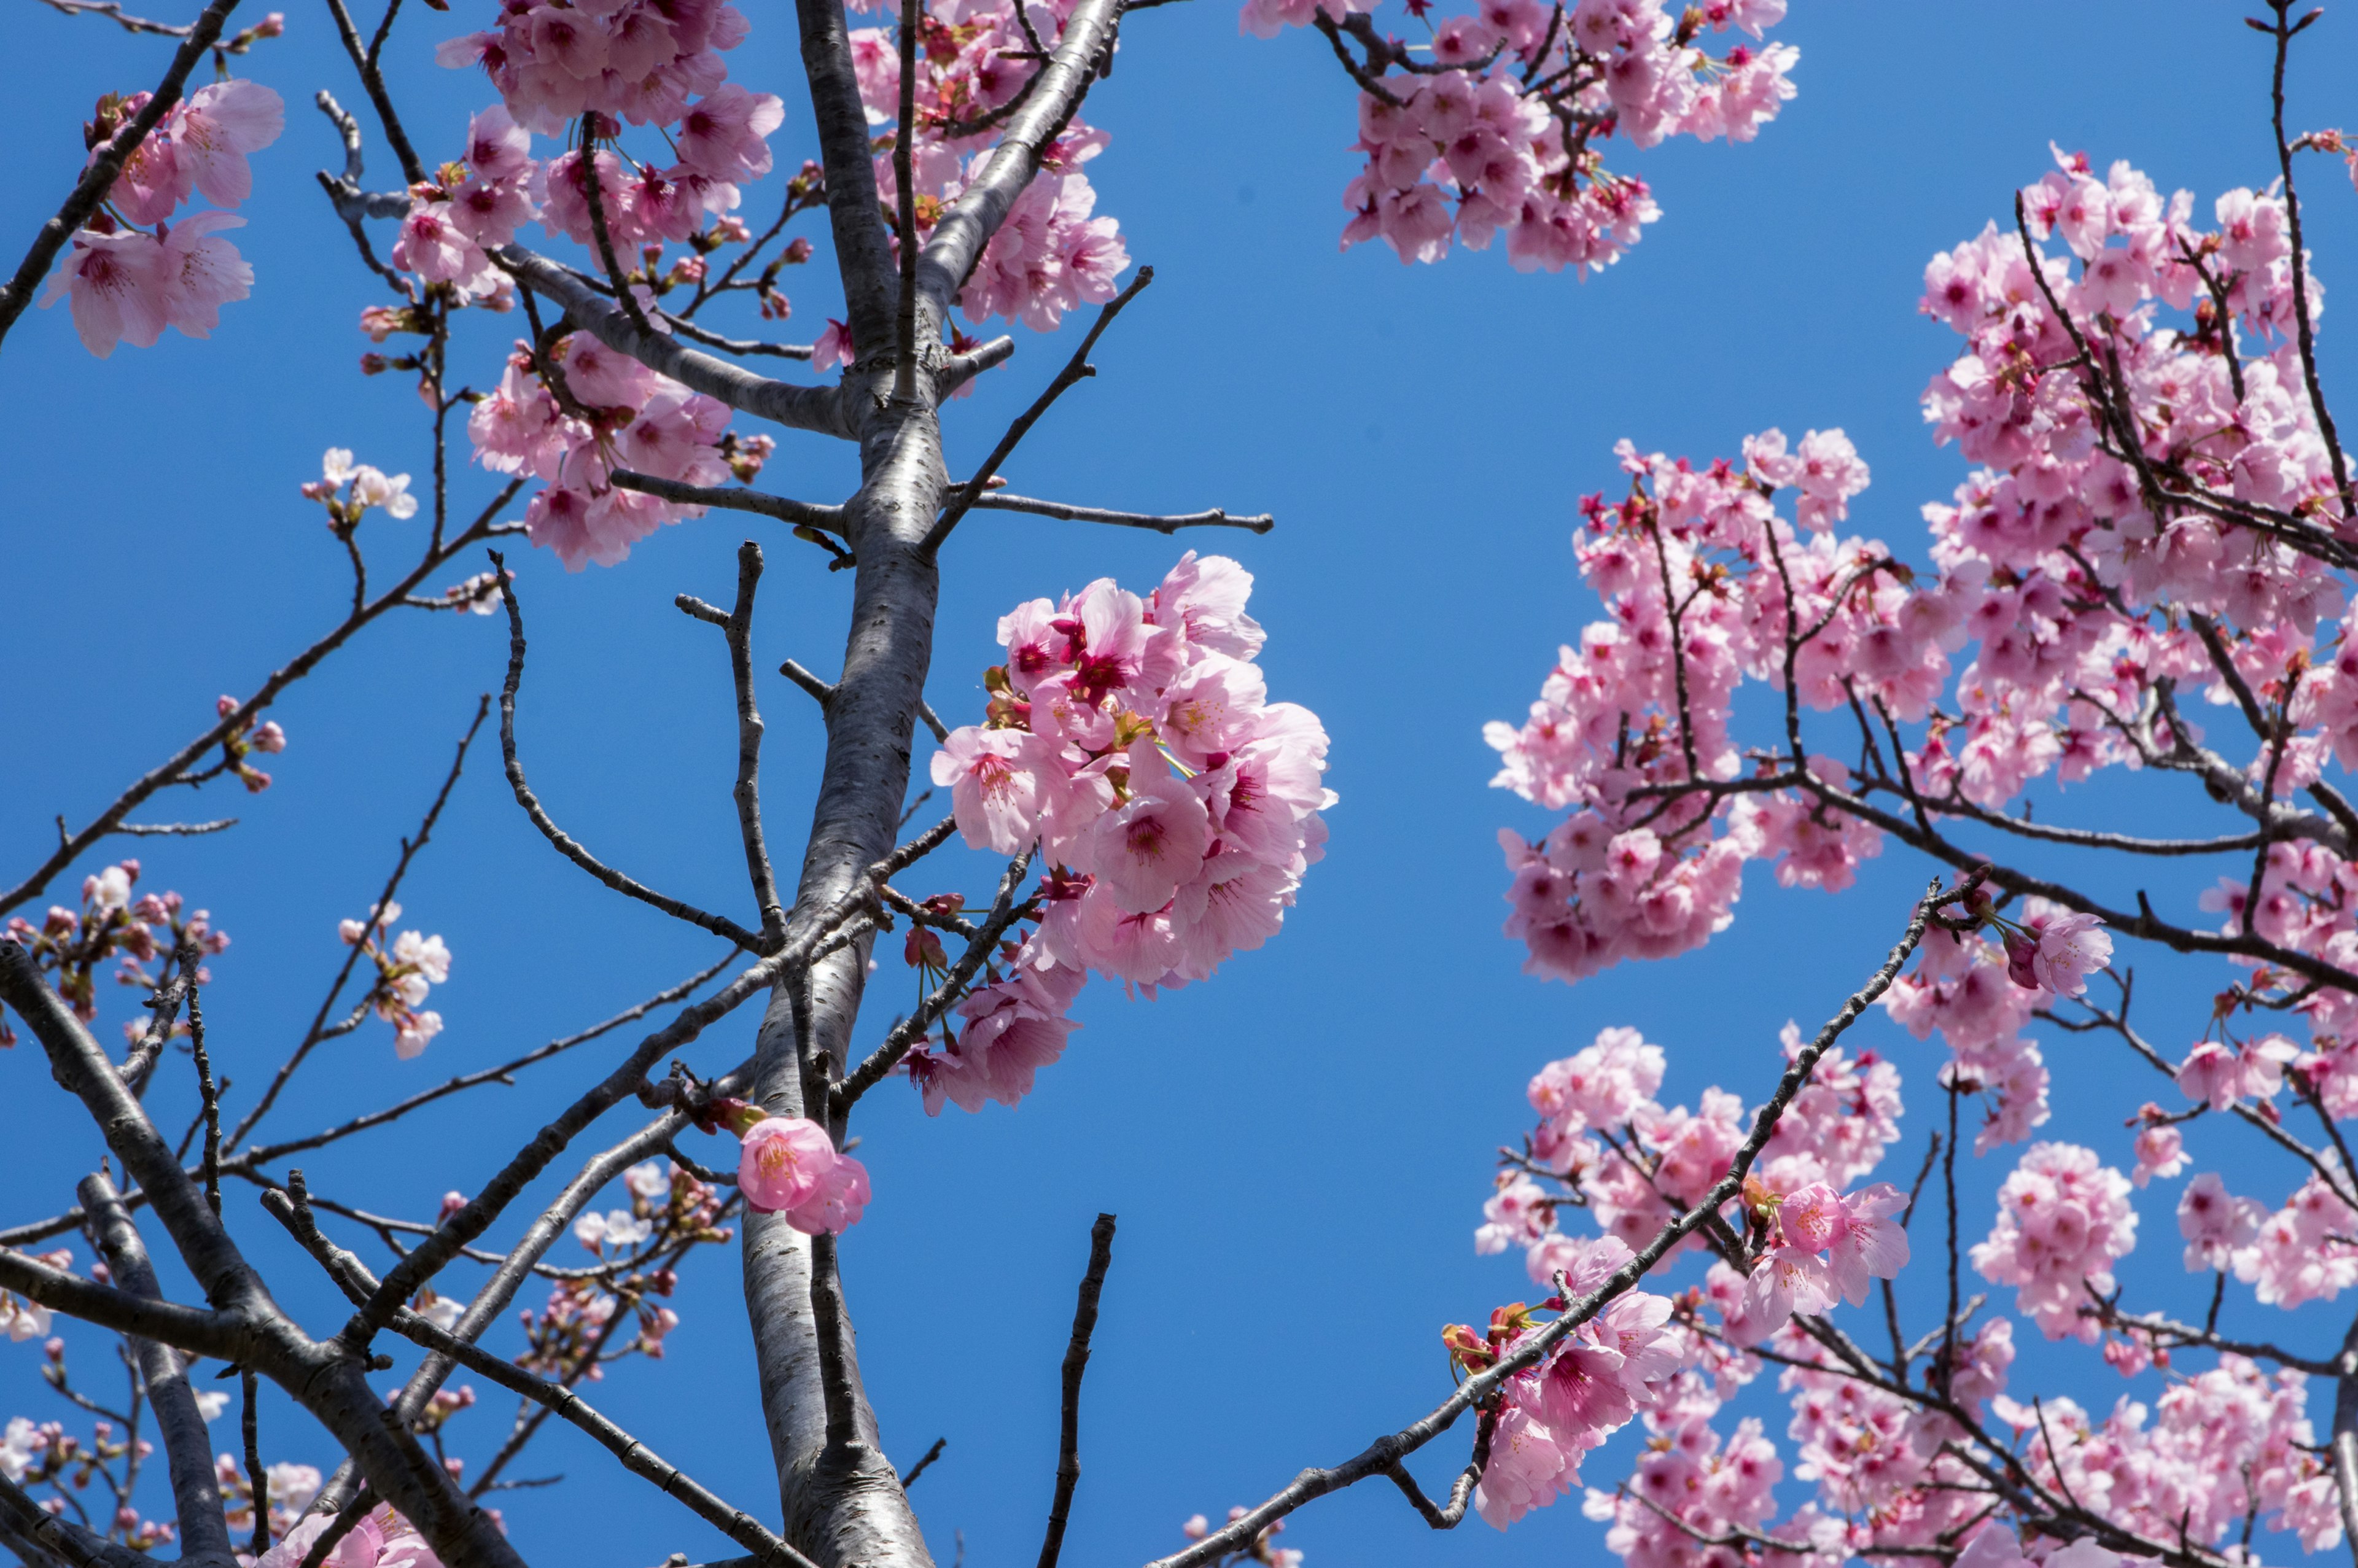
column 2162, row 499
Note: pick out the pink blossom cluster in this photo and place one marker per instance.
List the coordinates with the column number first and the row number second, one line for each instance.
column 1632, row 725
column 2063, row 1220
column 1131, row 741
column 594, row 67
column 1590, row 1383
column 2213, row 1447
column 45, row 1454
column 788, row 1165
column 648, row 62
column 2290, row 1256
column 1607, row 1145
column 598, row 65
column 1980, row 995
column 407, row 967
column 1826, row 1245
column 470, row 209
column 1495, row 131
column 1602, row 1132
column 2072, row 597
column 69, row 945
column 1053, row 252
column 133, row 270
column 574, row 416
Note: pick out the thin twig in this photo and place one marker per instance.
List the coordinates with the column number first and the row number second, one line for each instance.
column 999, row 500
column 1077, row 370
column 1077, row 1364
column 565, row 844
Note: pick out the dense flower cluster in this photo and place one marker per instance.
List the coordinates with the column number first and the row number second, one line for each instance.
column 1607, row 1145
column 1131, row 741
column 573, row 417
column 381, row 1539
column 2216, row 1446
column 2063, row 1220
column 2154, row 514
column 1492, row 133
column 133, row 270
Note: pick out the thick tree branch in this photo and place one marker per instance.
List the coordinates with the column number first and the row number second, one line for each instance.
column 967, row 226
column 188, row 1448
column 828, row 518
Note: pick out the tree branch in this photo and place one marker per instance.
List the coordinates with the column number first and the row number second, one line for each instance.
column 563, row 842
column 999, row 500
column 188, row 1448
column 1387, row 1451
column 1076, row 1363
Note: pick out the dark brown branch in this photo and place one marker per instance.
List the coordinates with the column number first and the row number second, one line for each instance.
column 61, row 1542
column 781, row 403
column 373, row 81
column 999, row 500
column 2302, row 316
column 740, row 346
column 909, row 1476
column 1076, row 1363
column 175, row 769
column 1004, row 913
column 355, row 1279
column 563, row 842
column 739, row 629
column 1450, row 1515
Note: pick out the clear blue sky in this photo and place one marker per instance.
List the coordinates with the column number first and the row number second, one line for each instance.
column 1299, row 1150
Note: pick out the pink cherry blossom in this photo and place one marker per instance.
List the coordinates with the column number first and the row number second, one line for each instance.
column 788, row 1165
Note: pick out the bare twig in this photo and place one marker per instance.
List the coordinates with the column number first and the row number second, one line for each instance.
column 1077, row 370
column 563, row 842
column 999, row 500
column 1076, row 1363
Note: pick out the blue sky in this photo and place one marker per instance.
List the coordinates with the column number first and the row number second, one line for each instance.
column 1297, row 1150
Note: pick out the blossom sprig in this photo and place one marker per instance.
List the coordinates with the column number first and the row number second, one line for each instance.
column 44, row 1455
column 1262, row 1548
column 348, row 490
column 111, row 924
column 135, row 268
column 639, row 1248
column 407, row 967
